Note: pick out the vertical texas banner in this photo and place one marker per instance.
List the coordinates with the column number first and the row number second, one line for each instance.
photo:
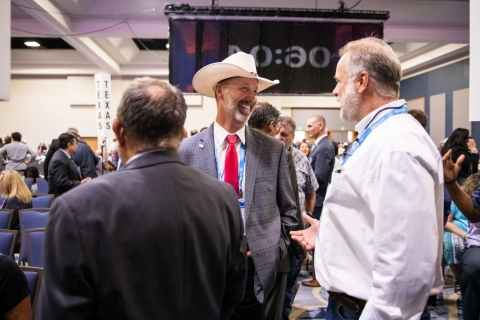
column 302, row 55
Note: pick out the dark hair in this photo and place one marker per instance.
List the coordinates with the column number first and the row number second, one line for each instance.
column 7, row 140
column 458, row 139
column 32, row 172
column 262, row 115
column 16, row 136
column 64, row 139
column 152, row 113
column 420, row 116
column 305, row 142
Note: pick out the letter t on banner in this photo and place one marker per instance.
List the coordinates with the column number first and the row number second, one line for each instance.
column 103, row 114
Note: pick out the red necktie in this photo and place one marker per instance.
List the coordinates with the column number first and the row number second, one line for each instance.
column 231, row 162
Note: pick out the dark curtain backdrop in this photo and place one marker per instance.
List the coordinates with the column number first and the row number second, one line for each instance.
column 302, row 55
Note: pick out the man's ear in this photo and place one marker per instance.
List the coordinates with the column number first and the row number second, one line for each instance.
column 361, row 81
column 119, row 132
column 218, row 91
column 184, row 133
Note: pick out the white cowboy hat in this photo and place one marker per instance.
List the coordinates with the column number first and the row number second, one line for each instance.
column 239, row 64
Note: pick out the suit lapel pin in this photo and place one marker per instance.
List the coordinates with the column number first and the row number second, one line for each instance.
column 200, row 145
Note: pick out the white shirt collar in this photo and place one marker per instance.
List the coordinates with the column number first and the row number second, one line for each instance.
column 361, row 126
column 317, row 141
column 221, row 134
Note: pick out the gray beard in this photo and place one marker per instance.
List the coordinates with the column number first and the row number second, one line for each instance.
column 350, row 104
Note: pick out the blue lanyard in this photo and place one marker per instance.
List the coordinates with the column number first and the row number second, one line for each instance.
column 240, row 171
column 367, row 132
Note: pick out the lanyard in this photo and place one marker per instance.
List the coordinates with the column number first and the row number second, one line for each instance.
column 367, row 132
column 240, row 171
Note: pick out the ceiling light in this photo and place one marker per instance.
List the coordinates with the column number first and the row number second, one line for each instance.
column 32, row 44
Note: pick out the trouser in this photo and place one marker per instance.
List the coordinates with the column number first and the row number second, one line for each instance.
column 250, row 308
column 470, row 283
column 274, row 302
column 335, row 311
column 317, row 212
column 291, row 281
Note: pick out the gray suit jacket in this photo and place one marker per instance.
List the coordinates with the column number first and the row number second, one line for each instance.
column 269, row 200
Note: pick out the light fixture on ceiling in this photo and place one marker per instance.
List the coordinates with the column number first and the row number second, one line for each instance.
column 33, row 44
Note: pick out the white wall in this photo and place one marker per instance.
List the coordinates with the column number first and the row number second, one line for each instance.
column 4, row 50
column 43, row 107
column 474, row 60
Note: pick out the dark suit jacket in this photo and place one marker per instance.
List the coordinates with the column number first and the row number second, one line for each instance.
column 269, row 201
column 155, row 240
column 86, row 160
column 322, row 159
column 51, row 151
column 62, row 174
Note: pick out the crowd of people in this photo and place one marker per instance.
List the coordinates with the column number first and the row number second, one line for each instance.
column 217, row 225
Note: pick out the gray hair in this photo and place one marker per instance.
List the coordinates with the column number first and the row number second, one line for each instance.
column 152, row 113
column 284, row 120
column 377, row 58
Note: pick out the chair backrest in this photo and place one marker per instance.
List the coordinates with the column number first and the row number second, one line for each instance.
column 42, row 201
column 28, row 182
column 30, row 219
column 7, row 241
column 35, row 239
column 5, row 218
column 34, row 278
column 42, row 185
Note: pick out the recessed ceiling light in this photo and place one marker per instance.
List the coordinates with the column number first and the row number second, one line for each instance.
column 32, row 44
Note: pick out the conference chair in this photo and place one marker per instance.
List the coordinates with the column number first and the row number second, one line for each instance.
column 5, row 218
column 7, row 241
column 28, row 182
column 42, row 186
column 42, row 201
column 30, row 219
column 35, row 238
column 34, row 278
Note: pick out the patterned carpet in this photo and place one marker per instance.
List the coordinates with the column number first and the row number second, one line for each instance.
column 310, row 303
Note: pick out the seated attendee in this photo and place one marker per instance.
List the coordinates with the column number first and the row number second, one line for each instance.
column 14, row 293
column 32, row 172
column 17, row 197
column 109, row 166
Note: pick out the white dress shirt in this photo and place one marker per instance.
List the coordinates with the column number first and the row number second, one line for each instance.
column 317, row 141
column 221, row 144
column 381, row 229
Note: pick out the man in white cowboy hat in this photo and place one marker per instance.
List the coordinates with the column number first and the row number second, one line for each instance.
column 254, row 164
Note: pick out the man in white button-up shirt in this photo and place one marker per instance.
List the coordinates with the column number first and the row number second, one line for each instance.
column 378, row 245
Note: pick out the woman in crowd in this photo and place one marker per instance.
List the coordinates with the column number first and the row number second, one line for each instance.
column 455, row 235
column 305, row 148
column 32, row 172
column 17, row 197
column 461, row 142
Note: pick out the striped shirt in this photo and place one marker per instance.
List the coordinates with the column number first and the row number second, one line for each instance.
column 307, row 182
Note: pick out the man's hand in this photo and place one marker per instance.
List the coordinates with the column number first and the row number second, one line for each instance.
column 249, row 253
column 86, row 180
column 450, row 169
column 306, row 237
